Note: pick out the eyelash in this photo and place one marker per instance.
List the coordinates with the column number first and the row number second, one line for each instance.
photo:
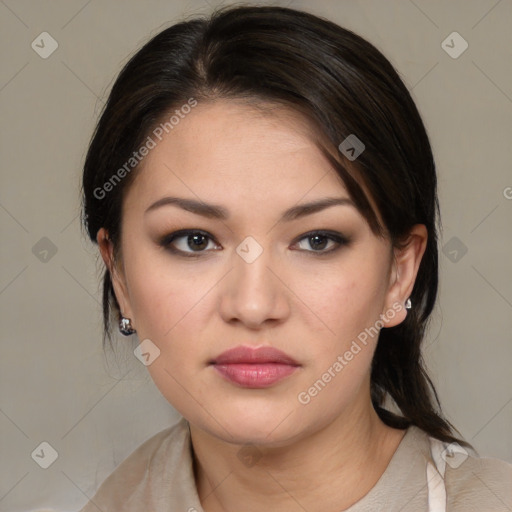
column 167, row 240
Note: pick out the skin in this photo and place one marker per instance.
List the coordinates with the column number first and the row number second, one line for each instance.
column 324, row 455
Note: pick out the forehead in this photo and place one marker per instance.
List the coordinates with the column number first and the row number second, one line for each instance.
column 227, row 148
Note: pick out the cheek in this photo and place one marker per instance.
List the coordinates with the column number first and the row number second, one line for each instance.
column 339, row 359
column 169, row 308
column 163, row 294
column 348, row 301
column 172, row 305
column 344, row 302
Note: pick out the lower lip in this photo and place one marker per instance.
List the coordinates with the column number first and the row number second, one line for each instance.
column 257, row 375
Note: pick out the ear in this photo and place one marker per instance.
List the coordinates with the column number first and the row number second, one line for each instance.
column 406, row 262
column 117, row 277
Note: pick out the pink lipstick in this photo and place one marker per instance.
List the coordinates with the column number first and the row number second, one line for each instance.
column 254, row 367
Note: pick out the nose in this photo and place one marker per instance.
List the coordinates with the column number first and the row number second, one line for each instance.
column 254, row 293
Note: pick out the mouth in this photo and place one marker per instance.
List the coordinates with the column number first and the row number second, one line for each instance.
column 254, row 367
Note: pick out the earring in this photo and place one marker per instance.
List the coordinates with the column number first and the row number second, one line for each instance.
column 125, row 326
column 408, row 304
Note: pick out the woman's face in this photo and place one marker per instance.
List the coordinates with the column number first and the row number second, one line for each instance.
column 257, row 277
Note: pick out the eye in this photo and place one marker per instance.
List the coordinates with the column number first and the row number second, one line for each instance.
column 194, row 242
column 187, row 242
column 319, row 239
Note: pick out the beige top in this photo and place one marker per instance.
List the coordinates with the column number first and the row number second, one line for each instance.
column 158, row 477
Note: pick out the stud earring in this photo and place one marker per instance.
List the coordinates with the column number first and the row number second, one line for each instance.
column 125, row 326
column 408, row 304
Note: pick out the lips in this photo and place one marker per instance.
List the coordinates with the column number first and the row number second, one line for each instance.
column 254, row 367
column 248, row 355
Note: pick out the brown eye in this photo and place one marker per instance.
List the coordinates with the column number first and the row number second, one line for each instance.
column 187, row 242
column 318, row 241
column 197, row 241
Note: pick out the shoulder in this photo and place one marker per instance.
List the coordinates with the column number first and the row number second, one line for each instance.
column 163, row 443
column 144, row 471
column 165, row 446
column 472, row 483
column 479, row 483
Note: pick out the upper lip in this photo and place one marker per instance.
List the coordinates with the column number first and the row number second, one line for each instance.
column 251, row 355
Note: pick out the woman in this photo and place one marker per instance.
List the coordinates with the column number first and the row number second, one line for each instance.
column 263, row 194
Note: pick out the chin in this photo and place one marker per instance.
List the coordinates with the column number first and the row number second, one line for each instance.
column 266, row 426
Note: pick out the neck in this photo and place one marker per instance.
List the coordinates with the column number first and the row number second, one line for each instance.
column 329, row 469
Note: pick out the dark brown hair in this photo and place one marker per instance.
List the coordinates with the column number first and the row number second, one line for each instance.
column 343, row 85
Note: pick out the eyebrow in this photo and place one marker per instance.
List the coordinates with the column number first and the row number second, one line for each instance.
column 218, row 212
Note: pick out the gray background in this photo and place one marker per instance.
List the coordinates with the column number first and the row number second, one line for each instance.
column 56, row 385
